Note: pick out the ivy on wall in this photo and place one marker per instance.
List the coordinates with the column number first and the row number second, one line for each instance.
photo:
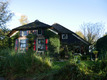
column 54, row 42
column 31, row 38
column 12, row 40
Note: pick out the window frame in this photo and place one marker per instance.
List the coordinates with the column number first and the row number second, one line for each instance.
column 23, row 43
column 41, row 44
column 66, row 36
column 23, row 33
column 38, row 31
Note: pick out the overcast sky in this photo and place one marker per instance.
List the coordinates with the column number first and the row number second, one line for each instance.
column 69, row 13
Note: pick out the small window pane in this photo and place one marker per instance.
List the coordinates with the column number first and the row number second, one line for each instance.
column 64, row 36
column 41, row 41
column 25, row 33
column 23, row 43
column 39, row 31
column 41, row 44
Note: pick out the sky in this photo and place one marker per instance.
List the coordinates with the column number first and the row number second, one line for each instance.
column 69, row 13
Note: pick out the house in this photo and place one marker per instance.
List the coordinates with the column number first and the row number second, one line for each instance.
column 47, row 37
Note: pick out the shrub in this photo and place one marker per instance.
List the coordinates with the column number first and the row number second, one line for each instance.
column 54, row 43
column 101, row 46
column 23, row 65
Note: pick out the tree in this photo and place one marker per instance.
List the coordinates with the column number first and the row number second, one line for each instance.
column 23, row 20
column 92, row 31
column 80, row 34
column 5, row 16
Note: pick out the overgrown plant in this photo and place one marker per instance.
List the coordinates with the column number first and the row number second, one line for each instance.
column 17, row 65
column 31, row 38
column 54, row 42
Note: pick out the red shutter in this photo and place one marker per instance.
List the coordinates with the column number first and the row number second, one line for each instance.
column 46, row 41
column 34, row 47
column 46, row 47
column 46, row 44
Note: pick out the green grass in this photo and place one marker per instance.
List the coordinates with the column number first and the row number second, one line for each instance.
column 87, row 63
column 16, row 65
column 58, row 65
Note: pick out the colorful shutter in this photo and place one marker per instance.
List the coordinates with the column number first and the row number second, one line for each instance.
column 34, row 47
column 46, row 44
column 46, row 41
column 16, row 44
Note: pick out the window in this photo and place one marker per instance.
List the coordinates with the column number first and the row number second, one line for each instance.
column 34, row 31
column 41, row 44
column 23, row 43
column 23, row 33
column 39, row 31
column 64, row 36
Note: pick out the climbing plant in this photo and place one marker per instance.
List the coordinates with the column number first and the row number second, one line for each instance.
column 31, row 38
column 12, row 40
column 54, row 42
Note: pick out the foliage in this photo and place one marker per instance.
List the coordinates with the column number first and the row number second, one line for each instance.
column 80, row 34
column 31, row 38
column 54, row 43
column 95, row 52
column 101, row 46
column 5, row 14
column 4, row 38
column 13, row 65
column 4, row 42
column 69, row 72
column 11, row 40
column 85, row 57
column 23, row 20
column 92, row 31
column 64, row 51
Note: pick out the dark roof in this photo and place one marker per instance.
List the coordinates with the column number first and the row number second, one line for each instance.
column 61, row 29
column 31, row 26
column 34, row 25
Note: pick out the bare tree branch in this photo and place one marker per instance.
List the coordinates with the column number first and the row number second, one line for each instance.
column 92, row 31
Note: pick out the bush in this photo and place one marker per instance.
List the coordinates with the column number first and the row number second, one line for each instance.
column 69, row 72
column 54, row 43
column 22, row 64
column 85, row 57
column 101, row 46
